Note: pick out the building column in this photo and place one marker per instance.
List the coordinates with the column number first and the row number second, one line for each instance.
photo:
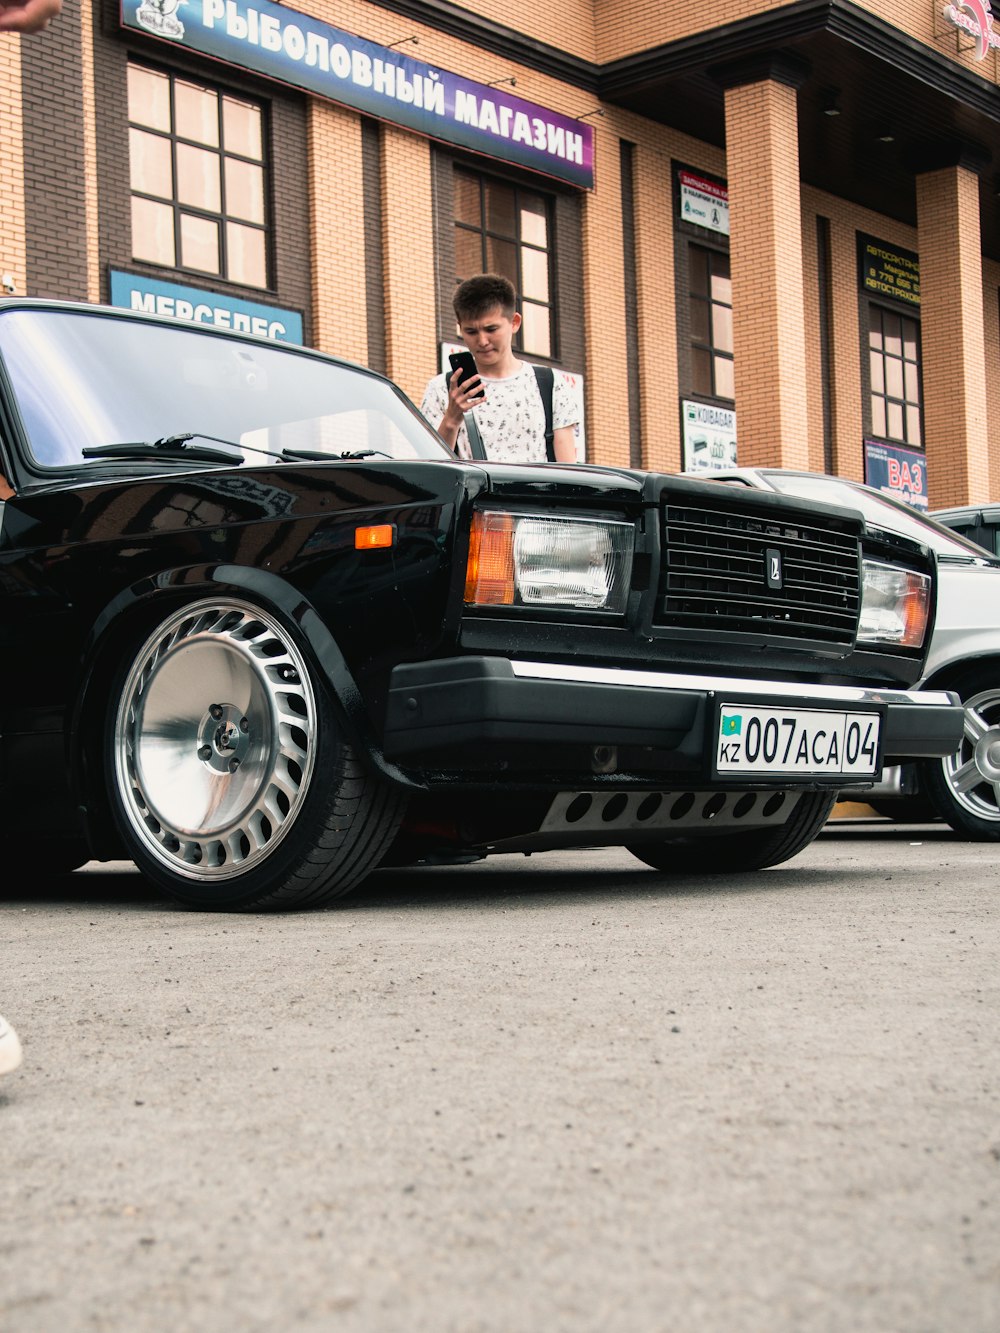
column 411, row 347
column 846, row 398
column 337, row 231
column 92, row 212
column 607, row 410
column 659, row 388
column 762, row 170
column 953, row 350
column 13, row 256
column 991, row 334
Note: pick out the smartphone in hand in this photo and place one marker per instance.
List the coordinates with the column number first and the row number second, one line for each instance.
column 466, row 362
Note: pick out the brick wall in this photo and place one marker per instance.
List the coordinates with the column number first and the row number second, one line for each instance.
column 991, row 347
column 604, row 310
column 638, row 25
column 766, row 253
column 951, row 302
column 336, row 231
column 657, row 311
column 568, row 24
column 91, row 202
column 12, row 239
column 55, row 184
column 408, row 260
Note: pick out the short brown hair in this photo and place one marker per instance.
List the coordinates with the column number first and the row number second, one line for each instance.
column 475, row 296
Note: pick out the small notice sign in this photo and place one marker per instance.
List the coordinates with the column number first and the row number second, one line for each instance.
column 888, row 271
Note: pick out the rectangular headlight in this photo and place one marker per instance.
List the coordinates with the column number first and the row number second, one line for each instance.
column 895, row 605
column 530, row 560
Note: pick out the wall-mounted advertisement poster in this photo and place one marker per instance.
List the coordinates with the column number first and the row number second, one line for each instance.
column 899, row 472
column 709, row 437
column 704, row 202
column 889, row 271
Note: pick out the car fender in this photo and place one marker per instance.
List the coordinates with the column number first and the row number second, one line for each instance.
column 944, row 674
column 133, row 613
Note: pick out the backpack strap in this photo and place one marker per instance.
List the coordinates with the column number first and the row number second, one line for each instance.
column 476, row 446
column 546, row 379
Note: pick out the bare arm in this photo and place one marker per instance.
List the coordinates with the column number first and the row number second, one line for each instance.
column 564, row 444
column 27, row 15
column 459, row 402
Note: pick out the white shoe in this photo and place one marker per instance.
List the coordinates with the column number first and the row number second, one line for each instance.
column 10, row 1047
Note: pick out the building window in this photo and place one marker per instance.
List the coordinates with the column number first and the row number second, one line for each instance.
column 196, row 159
column 502, row 228
column 894, row 360
column 711, row 311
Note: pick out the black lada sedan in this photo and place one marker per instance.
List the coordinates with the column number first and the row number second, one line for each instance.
column 262, row 633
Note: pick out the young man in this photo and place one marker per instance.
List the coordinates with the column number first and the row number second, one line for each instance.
column 511, row 415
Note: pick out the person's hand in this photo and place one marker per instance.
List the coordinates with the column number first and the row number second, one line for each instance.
column 27, row 15
column 463, row 394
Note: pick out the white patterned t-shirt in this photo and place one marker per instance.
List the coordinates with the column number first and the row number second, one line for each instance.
column 511, row 418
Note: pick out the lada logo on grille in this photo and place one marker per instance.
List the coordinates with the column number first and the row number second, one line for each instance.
column 775, row 573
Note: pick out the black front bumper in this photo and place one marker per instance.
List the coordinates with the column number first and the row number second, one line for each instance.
column 438, row 706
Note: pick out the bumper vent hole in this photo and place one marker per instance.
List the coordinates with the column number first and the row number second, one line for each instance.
column 682, row 805
column 578, row 807
column 614, row 808
column 648, row 806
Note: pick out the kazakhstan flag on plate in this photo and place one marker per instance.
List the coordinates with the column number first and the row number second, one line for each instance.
column 732, row 726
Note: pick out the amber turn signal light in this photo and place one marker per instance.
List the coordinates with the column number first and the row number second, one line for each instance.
column 489, row 574
column 369, row 539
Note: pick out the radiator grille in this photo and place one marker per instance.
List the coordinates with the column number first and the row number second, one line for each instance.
column 715, row 575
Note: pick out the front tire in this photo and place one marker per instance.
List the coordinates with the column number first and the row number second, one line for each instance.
column 735, row 853
column 965, row 787
column 229, row 777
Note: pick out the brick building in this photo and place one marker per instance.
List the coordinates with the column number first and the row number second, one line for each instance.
column 765, row 229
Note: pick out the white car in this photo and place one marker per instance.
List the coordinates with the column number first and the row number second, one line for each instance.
column 980, row 523
column 964, row 789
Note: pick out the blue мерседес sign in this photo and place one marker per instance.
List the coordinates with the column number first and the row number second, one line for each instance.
column 130, row 292
column 303, row 52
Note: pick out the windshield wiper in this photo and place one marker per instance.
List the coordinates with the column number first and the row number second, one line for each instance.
column 177, row 448
column 325, row 456
column 290, row 455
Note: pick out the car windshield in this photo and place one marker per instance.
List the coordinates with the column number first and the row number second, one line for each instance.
column 86, row 379
column 881, row 510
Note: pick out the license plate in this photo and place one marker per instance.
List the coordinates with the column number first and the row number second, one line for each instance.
column 797, row 741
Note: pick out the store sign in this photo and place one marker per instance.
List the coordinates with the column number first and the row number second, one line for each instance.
column 889, row 272
column 130, row 292
column 704, row 202
column 976, row 18
column 899, row 472
column 709, row 437
column 295, row 49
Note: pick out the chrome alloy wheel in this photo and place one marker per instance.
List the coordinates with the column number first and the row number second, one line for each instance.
column 973, row 771
column 214, row 739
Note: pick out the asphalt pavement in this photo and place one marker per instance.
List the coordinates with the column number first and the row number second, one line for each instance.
column 556, row 1093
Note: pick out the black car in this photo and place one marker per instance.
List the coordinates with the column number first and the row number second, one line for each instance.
column 262, row 633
